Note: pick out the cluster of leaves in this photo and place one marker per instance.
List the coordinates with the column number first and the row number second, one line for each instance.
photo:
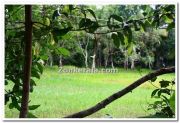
column 120, row 29
column 161, row 17
column 44, row 34
column 50, row 29
column 14, row 95
column 14, row 61
column 165, row 99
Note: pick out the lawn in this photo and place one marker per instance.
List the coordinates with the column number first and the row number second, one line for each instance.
column 60, row 94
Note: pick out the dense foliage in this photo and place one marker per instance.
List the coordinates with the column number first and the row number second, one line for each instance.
column 165, row 99
column 125, row 35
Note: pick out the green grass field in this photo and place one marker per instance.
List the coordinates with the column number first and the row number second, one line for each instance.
column 60, row 94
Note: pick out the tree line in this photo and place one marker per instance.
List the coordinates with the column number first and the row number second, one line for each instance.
column 80, row 35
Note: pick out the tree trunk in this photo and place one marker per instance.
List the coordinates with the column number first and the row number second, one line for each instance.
column 50, row 60
column 60, row 61
column 126, row 60
column 106, row 60
column 94, row 52
column 86, row 58
column 112, row 64
column 27, row 61
column 149, row 65
column 132, row 64
column 86, row 52
column 99, row 54
column 126, row 63
column 120, row 93
column 94, row 61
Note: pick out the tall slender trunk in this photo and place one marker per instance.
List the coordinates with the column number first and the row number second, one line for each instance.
column 27, row 61
column 60, row 61
column 86, row 58
column 50, row 60
column 100, row 54
column 94, row 52
column 112, row 64
column 86, row 52
column 106, row 60
column 132, row 64
column 94, row 61
column 126, row 60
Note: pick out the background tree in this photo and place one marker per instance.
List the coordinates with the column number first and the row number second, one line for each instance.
column 51, row 37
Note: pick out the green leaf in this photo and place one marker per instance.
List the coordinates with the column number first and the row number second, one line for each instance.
column 142, row 25
column 126, row 41
column 11, row 106
column 12, row 8
column 47, row 21
column 121, row 37
column 154, row 92
column 172, row 102
column 19, row 34
column 171, row 26
column 116, row 17
column 44, row 57
column 147, row 23
column 82, row 23
column 85, row 22
column 167, row 20
column 130, row 21
column 15, row 103
column 71, row 7
column 156, row 21
column 130, row 48
column 60, row 32
column 145, row 13
column 165, row 99
column 93, row 27
column 116, row 40
column 154, row 79
column 92, row 13
column 164, row 83
column 32, row 82
column 40, row 67
column 33, row 107
column 65, row 13
column 7, row 96
column 128, row 33
column 55, row 14
column 109, row 24
column 165, row 91
column 63, row 51
column 90, row 26
column 16, row 88
column 31, row 89
column 169, row 8
column 30, row 115
column 158, row 103
column 35, row 73
column 136, row 26
column 143, row 7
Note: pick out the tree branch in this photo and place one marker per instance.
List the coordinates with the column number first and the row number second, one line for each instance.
column 39, row 23
column 121, row 93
